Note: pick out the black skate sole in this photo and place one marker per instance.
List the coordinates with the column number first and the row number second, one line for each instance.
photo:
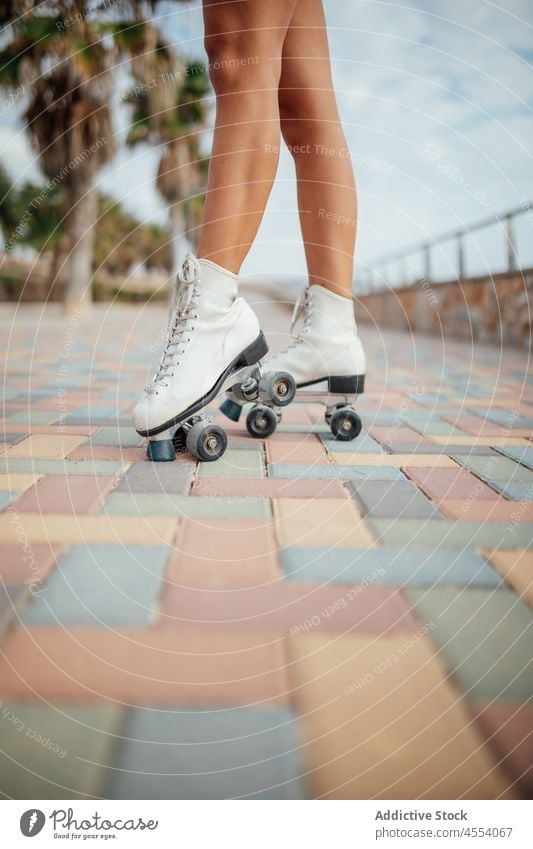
column 342, row 385
column 249, row 357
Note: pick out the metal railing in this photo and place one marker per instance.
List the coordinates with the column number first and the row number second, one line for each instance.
column 374, row 277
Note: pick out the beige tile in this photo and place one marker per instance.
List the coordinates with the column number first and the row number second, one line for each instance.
column 479, row 440
column 516, row 567
column 319, row 522
column 396, row 460
column 46, row 447
column 381, row 721
column 133, row 530
column 17, row 482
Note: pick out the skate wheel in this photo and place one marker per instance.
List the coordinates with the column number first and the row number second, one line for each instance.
column 206, row 441
column 180, row 441
column 261, row 421
column 345, row 425
column 278, row 387
column 161, row 450
column 231, row 409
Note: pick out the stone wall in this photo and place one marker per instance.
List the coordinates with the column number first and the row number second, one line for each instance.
column 493, row 309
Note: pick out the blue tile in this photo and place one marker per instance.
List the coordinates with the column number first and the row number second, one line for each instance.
column 34, row 417
column 503, row 417
column 392, row 499
column 496, row 468
column 102, row 586
column 13, row 597
column 522, row 455
column 12, row 438
column 485, row 638
column 364, row 444
column 61, row 466
column 449, row 533
column 93, row 414
column 173, row 753
column 329, row 471
column 391, row 566
column 169, row 504
column 126, row 437
column 6, row 498
column 514, row 491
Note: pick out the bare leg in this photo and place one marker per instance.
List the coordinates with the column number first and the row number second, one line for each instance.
column 311, row 128
column 244, row 41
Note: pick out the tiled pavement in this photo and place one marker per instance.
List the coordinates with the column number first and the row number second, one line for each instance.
column 303, row 618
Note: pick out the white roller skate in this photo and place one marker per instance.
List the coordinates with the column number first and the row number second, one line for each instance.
column 213, row 337
column 326, row 360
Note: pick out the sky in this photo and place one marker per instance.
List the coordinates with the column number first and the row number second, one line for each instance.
column 436, row 101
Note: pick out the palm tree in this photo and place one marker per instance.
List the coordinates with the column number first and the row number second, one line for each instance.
column 66, row 73
column 169, row 110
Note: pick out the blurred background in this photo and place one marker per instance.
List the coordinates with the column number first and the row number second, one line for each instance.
column 105, row 130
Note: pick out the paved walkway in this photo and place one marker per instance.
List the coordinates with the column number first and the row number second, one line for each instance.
column 303, row 618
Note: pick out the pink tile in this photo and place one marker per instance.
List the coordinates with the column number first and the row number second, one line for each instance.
column 285, row 607
column 269, row 488
column 158, row 666
column 108, row 452
column 478, row 426
column 224, row 553
column 443, row 483
column 66, row 494
column 486, row 510
column 509, row 730
column 392, row 435
column 295, row 448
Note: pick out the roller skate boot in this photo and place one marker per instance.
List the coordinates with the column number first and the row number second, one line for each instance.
column 213, row 339
column 326, row 361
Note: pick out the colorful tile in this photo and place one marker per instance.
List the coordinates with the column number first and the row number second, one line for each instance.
column 235, row 753
column 71, row 530
column 28, row 564
column 399, row 461
column 485, row 638
column 224, row 553
column 415, row 567
column 66, row 494
column 268, row 488
column 154, row 504
column 146, row 477
column 164, row 666
column 287, row 608
column 330, row 471
column 102, row 586
column 381, row 720
column 516, row 566
column 323, row 521
column 46, row 447
column 389, row 499
column 235, row 464
column 450, row 483
column 424, row 533
column 497, row 468
column 56, row 751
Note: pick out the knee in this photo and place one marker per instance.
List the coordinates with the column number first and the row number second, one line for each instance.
column 238, row 61
column 296, row 117
column 303, row 113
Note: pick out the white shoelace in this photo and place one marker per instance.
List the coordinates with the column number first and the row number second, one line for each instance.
column 180, row 325
column 303, row 304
